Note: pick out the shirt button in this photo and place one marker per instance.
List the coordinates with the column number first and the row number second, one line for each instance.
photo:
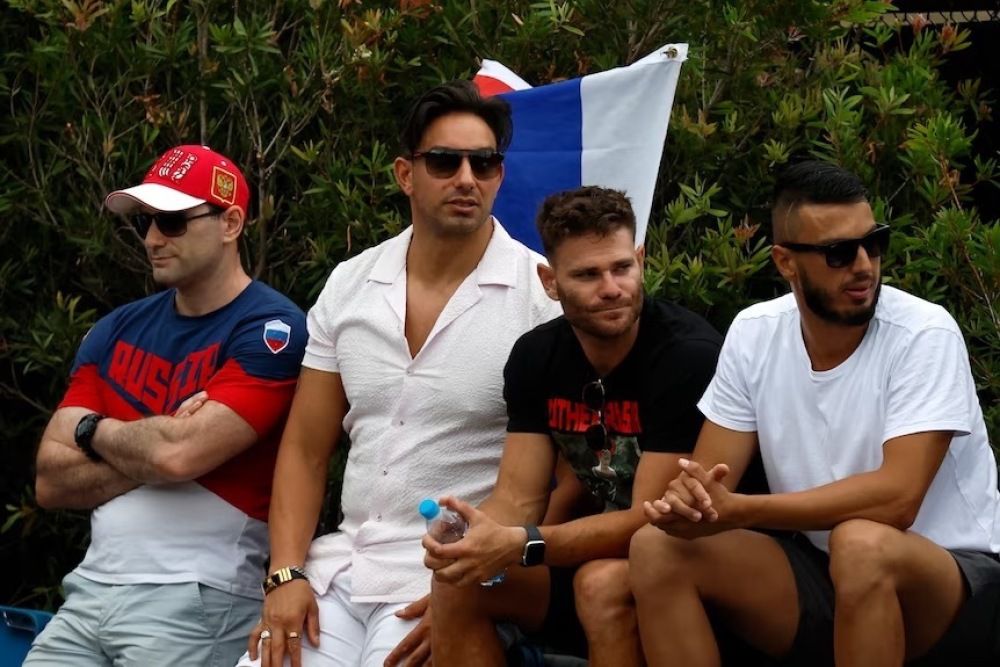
column 385, row 472
column 378, row 517
column 409, row 371
column 401, row 422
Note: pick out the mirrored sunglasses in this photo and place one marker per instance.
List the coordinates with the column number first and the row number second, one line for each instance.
column 444, row 162
column 843, row 253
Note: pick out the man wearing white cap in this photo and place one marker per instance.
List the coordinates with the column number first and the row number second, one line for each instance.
column 168, row 432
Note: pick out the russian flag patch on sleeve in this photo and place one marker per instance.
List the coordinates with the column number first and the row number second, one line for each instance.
column 276, row 335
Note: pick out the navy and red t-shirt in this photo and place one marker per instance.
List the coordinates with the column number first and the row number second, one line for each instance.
column 145, row 359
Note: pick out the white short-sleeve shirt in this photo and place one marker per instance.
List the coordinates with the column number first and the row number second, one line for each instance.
column 910, row 374
column 419, row 427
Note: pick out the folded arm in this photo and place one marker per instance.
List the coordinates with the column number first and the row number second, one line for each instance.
column 166, row 449
column 65, row 478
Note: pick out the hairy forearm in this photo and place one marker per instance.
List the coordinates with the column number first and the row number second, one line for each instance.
column 604, row 535
column 864, row 496
column 141, row 449
column 67, row 479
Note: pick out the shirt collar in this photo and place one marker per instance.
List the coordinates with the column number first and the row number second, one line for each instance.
column 497, row 266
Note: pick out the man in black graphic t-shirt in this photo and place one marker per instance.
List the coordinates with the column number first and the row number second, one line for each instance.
column 613, row 386
column 648, row 402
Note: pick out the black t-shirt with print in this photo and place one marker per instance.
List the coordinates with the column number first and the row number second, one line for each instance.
column 651, row 396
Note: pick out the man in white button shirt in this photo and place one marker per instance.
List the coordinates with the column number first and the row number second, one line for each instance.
column 406, row 353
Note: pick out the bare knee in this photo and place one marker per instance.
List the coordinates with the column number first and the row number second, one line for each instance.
column 601, row 592
column 656, row 558
column 863, row 558
column 453, row 602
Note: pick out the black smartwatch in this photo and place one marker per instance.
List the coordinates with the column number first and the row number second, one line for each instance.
column 84, row 435
column 534, row 548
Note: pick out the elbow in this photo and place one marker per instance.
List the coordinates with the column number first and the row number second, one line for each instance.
column 45, row 493
column 172, row 463
column 905, row 517
column 903, row 512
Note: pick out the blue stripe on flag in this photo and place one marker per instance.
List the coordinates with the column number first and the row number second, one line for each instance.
column 544, row 156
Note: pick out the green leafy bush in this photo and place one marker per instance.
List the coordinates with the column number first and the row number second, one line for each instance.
column 306, row 96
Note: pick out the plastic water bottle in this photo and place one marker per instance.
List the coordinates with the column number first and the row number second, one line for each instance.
column 443, row 524
column 447, row 526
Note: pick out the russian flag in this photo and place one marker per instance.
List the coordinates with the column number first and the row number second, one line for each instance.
column 603, row 129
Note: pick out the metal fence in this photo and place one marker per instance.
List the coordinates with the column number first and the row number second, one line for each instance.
column 940, row 12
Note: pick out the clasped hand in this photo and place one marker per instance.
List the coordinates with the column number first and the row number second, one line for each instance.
column 695, row 504
column 485, row 551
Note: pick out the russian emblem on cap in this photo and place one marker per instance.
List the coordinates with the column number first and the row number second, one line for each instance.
column 223, row 185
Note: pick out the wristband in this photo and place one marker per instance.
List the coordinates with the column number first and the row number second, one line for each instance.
column 282, row 576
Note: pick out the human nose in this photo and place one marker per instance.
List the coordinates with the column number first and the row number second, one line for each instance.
column 154, row 237
column 862, row 261
column 464, row 176
column 609, row 287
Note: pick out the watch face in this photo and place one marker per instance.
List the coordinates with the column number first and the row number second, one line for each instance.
column 85, row 428
column 534, row 553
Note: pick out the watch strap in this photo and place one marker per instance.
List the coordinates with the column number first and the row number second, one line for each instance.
column 84, row 435
column 534, row 547
column 282, row 576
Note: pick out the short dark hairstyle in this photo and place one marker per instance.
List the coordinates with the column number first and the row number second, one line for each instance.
column 811, row 182
column 455, row 97
column 587, row 210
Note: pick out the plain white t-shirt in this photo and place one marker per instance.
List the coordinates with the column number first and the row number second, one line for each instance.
column 910, row 374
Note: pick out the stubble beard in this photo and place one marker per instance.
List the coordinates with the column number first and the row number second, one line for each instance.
column 818, row 301
column 577, row 318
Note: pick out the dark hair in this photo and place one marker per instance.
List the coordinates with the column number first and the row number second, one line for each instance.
column 587, row 210
column 455, row 97
column 811, row 182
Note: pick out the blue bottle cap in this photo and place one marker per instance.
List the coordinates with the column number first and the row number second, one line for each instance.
column 428, row 509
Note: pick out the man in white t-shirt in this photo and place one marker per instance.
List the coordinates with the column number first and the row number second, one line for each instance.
column 861, row 400
column 407, row 344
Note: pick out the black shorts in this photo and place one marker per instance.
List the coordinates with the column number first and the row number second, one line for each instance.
column 561, row 630
column 972, row 639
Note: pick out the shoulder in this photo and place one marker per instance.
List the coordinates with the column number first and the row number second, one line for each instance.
column 267, row 300
column 542, row 339
column 139, row 311
column 677, row 325
column 904, row 314
column 762, row 321
column 378, row 262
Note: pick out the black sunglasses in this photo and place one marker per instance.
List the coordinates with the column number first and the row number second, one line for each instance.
column 843, row 253
column 172, row 224
column 595, row 399
column 444, row 162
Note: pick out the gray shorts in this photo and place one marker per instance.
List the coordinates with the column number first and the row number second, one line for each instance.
column 139, row 625
column 972, row 639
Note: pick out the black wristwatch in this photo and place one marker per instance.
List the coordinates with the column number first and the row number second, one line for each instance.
column 534, row 548
column 84, row 435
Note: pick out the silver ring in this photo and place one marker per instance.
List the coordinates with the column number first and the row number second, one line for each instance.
column 293, row 635
column 265, row 635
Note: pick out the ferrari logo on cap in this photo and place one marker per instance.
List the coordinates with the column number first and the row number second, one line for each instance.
column 276, row 335
column 223, row 185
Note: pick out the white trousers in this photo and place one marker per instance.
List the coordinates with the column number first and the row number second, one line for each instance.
column 350, row 634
